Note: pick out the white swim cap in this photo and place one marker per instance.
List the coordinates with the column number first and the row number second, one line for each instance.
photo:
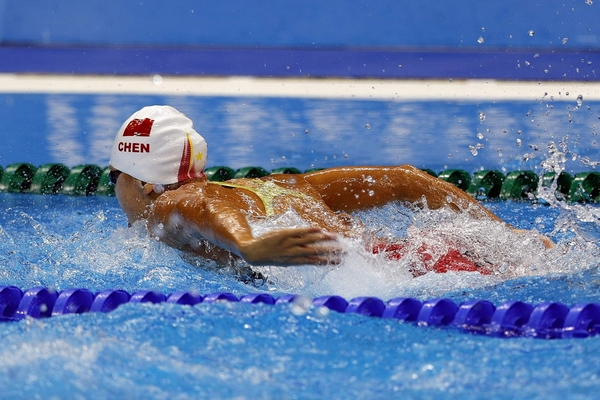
column 158, row 144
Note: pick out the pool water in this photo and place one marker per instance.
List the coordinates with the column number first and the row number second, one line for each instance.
column 228, row 350
column 305, row 132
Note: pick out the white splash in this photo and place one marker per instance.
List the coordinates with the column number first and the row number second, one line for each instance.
column 361, row 273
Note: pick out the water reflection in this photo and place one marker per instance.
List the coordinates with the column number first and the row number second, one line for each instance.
column 307, row 133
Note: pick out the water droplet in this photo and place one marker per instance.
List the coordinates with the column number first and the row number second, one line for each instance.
column 481, row 116
column 531, row 33
column 579, row 101
column 301, row 305
column 157, row 80
column 519, row 142
column 473, row 150
column 480, row 40
column 371, row 193
column 589, row 2
column 427, row 367
column 368, row 126
column 321, row 312
column 306, row 131
column 480, row 136
column 528, row 156
column 565, row 40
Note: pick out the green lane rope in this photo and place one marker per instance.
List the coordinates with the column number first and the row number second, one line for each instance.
column 89, row 179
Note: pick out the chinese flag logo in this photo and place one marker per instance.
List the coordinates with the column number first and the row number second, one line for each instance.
column 139, row 127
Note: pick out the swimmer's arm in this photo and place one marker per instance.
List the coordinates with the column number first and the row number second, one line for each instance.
column 224, row 225
column 355, row 188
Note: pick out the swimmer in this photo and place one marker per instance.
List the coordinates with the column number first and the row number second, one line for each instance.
column 157, row 166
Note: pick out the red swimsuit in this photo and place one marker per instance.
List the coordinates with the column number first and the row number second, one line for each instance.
column 453, row 260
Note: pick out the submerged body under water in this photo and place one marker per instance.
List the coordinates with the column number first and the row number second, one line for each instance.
column 257, row 351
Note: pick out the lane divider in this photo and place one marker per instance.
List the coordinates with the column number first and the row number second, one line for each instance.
column 548, row 320
column 89, row 179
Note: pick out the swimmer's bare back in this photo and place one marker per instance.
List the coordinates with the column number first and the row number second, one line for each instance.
column 219, row 215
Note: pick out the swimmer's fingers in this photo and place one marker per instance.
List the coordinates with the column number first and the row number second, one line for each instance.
column 294, row 247
column 305, row 246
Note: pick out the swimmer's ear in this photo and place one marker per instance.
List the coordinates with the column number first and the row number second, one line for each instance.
column 159, row 189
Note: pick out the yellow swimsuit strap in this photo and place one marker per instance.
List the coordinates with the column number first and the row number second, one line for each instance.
column 266, row 191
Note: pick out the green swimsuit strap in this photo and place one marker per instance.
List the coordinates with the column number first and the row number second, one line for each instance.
column 266, row 191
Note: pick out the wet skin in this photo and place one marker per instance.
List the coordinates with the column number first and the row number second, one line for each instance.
column 213, row 221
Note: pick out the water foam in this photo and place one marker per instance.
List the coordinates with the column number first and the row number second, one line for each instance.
column 79, row 248
column 510, row 255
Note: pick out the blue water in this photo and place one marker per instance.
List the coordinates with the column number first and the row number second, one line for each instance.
column 259, row 351
column 308, row 133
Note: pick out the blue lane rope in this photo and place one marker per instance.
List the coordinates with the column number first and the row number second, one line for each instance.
column 548, row 320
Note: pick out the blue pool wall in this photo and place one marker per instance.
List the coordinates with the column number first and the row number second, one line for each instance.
column 389, row 39
column 383, row 24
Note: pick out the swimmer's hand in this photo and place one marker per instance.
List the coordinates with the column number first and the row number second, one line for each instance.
column 545, row 239
column 294, row 246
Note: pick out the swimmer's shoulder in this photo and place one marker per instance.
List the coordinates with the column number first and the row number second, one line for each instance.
column 190, row 192
column 207, row 191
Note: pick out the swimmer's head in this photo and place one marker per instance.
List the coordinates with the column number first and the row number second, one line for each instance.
column 159, row 145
